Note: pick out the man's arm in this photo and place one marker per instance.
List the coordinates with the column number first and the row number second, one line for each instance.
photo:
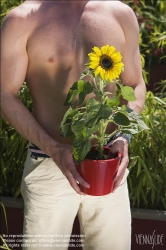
column 132, row 76
column 14, row 61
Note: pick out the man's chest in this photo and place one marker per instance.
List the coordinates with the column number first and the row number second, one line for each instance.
column 67, row 40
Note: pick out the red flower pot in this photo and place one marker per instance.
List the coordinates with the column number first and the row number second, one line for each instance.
column 99, row 174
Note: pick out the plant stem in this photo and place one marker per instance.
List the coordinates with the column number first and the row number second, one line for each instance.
column 100, row 141
column 101, row 86
column 95, row 84
column 101, row 125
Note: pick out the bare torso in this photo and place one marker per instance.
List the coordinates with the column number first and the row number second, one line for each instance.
column 60, row 36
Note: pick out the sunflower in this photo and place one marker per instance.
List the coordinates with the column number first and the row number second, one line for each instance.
column 106, row 62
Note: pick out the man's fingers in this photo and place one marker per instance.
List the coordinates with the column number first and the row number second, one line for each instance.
column 116, row 183
column 74, row 184
column 115, row 187
column 73, row 170
column 78, row 177
column 121, row 171
column 118, row 146
column 73, row 176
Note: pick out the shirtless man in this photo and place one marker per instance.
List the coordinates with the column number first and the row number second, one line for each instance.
column 47, row 43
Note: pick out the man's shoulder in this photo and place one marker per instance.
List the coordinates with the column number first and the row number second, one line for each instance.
column 122, row 12
column 18, row 19
column 119, row 8
column 20, row 13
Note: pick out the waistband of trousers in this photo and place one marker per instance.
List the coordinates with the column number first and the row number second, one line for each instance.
column 37, row 152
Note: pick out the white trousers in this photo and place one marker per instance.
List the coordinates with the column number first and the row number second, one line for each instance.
column 51, row 205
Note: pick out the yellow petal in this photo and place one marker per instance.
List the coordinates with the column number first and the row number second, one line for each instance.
column 93, row 55
column 98, row 70
column 97, row 51
column 94, row 64
column 107, row 49
column 119, row 65
column 94, row 59
column 107, row 75
column 102, row 74
column 104, row 50
column 116, row 56
column 111, row 50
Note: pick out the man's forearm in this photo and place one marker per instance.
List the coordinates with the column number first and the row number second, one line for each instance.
column 25, row 124
column 140, row 93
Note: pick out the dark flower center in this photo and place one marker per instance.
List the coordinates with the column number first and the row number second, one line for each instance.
column 106, row 62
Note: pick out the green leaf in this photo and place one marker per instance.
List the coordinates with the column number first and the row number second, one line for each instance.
column 157, row 177
column 80, row 149
column 3, row 168
column 146, row 170
column 70, row 113
column 138, row 167
column 142, row 124
column 98, row 112
column 132, row 113
column 152, row 195
column 131, row 130
column 17, row 192
column 82, row 85
column 91, row 103
column 113, row 101
column 78, row 125
column 5, row 246
column 87, row 132
column 65, row 125
column 84, row 89
column 128, row 93
column 144, row 196
column 137, row 117
column 133, row 161
column 83, row 74
column 73, row 92
column 82, row 96
column 121, row 119
column 65, row 128
column 92, row 115
column 104, row 112
column 124, row 107
column 134, row 128
column 4, row 211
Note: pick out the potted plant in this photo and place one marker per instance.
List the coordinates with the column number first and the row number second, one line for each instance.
column 87, row 120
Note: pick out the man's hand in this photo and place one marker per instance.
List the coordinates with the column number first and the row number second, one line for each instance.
column 66, row 164
column 120, row 145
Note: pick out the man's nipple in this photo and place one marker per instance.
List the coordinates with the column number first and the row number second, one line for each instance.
column 52, row 59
